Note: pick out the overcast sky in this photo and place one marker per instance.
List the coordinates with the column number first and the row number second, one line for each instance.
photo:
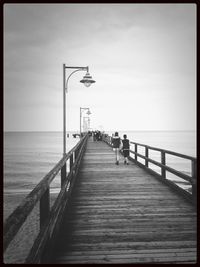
column 142, row 57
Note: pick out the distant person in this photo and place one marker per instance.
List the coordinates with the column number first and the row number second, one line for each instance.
column 116, row 144
column 100, row 136
column 125, row 148
column 97, row 135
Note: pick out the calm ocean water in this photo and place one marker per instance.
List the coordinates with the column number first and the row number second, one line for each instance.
column 29, row 156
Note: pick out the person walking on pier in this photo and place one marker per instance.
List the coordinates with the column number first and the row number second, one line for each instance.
column 125, row 148
column 116, row 144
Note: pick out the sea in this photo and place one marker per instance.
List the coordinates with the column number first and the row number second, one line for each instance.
column 29, row 156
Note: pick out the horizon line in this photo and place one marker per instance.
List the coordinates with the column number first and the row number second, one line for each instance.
column 110, row 130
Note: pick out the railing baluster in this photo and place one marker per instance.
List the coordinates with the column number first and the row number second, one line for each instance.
column 135, row 152
column 71, row 162
column 63, row 174
column 163, row 161
column 44, row 207
column 76, row 154
column 146, row 155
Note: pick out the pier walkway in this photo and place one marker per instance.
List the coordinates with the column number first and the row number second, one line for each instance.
column 122, row 214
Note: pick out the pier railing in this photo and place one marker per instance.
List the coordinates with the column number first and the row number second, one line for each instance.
column 50, row 218
column 135, row 156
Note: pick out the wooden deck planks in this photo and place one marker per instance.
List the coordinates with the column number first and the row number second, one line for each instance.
column 121, row 214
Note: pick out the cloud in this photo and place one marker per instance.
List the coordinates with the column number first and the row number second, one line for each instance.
column 142, row 51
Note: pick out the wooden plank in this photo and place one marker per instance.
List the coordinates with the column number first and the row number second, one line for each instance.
column 108, row 246
column 162, row 251
column 167, row 258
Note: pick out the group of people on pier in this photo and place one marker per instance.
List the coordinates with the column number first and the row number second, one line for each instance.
column 97, row 135
column 122, row 145
column 118, row 144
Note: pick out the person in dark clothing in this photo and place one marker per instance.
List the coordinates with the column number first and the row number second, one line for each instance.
column 116, row 144
column 94, row 136
column 125, row 148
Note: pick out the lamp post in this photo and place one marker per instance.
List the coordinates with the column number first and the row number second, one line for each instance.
column 87, row 81
column 81, row 110
column 86, row 123
column 89, row 123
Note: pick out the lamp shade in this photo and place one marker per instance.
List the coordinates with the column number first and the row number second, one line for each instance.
column 87, row 80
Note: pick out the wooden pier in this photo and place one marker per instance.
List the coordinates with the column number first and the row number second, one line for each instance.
column 115, row 214
column 121, row 214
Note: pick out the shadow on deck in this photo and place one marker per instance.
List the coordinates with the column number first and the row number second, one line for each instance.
column 122, row 214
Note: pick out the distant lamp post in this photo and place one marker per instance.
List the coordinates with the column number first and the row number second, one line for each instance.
column 87, row 81
column 85, row 124
column 88, row 113
column 88, row 123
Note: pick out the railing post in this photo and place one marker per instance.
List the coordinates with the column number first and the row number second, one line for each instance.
column 75, row 154
column 194, row 180
column 44, row 207
column 63, row 174
column 146, row 155
column 163, row 161
column 136, row 152
column 71, row 162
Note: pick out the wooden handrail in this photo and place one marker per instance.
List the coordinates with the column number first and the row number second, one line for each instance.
column 162, row 164
column 167, row 168
column 41, row 193
column 44, row 242
column 165, row 150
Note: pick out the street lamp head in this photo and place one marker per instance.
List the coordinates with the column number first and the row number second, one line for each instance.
column 87, row 80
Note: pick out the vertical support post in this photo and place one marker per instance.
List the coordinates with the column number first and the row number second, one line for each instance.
column 64, row 113
column 194, row 180
column 146, row 155
column 63, row 174
column 44, row 207
column 136, row 152
column 76, row 154
column 71, row 162
column 163, row 161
